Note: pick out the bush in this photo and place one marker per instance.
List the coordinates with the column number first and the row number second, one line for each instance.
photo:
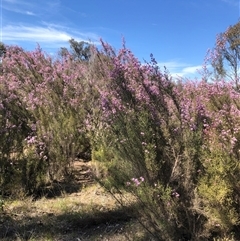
column 150, row 140
column 43, row 113
column 175, row 137
column 173, row 146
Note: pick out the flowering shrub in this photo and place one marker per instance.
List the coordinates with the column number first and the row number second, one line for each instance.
column 135, row 181
column 173, row 146
column 152, row 134
column 43, row 112
column 169, row 134
column 220, row 156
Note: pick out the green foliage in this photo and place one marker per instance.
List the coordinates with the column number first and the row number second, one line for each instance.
column 80, row 51
column 217, row 190
column 2, row 202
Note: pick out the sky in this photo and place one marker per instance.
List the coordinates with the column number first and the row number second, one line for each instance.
column 177, row 32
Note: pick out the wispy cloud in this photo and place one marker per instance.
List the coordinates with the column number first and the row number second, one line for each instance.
column 27, row 7
column 29, row 29
column 20, row 7
column 10, row 1
column 231, row 2
column 30, row 13
column 181, row 70
column 27, row 33
column 191, row 69
column 51, row 35
column 16, row 4
column 18, row 10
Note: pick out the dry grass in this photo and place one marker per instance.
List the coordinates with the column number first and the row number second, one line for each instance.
column 85, row 213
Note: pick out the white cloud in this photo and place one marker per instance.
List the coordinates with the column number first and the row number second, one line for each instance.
column 181, row 70
column 48, row 36
column 10, row 1
column 35, row 8
column 16, row 4
column 35, row 33
column 231, row 2
column 30, row 13
column 172, row 66
column 192, row 69
column 42, row 34
column 20, row 7
column 31, row 29
column 18, row 10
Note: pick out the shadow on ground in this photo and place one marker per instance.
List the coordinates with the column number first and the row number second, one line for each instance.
column 82, row 221
column 68, row 226
column 80, row 176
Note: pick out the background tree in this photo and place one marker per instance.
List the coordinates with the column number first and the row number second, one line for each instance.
column 79, row 50
column 225, row 56
column 2, row 49
column 2, row 53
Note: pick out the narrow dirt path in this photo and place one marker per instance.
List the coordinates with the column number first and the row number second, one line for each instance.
column 81, row 210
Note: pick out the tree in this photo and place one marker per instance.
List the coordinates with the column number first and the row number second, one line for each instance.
column 2, row 49
column 2, row 53
column 225, row 56
column 79, row 50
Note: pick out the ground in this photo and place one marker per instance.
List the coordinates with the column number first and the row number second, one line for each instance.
column 81, row 210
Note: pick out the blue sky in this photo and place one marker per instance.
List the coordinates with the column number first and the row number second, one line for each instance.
column 177, row 32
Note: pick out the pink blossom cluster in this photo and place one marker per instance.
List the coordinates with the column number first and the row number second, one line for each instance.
column 135, row 181
column 45, row 99
column 51, row 99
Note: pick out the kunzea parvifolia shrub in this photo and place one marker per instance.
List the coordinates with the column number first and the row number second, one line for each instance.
column 170, row 145
column 154, row 136
column 216, row 193
column 43, row 99
column 218, row 187
column 14, row 126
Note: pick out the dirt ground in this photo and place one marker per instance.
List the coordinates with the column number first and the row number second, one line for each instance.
column 77, row 210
